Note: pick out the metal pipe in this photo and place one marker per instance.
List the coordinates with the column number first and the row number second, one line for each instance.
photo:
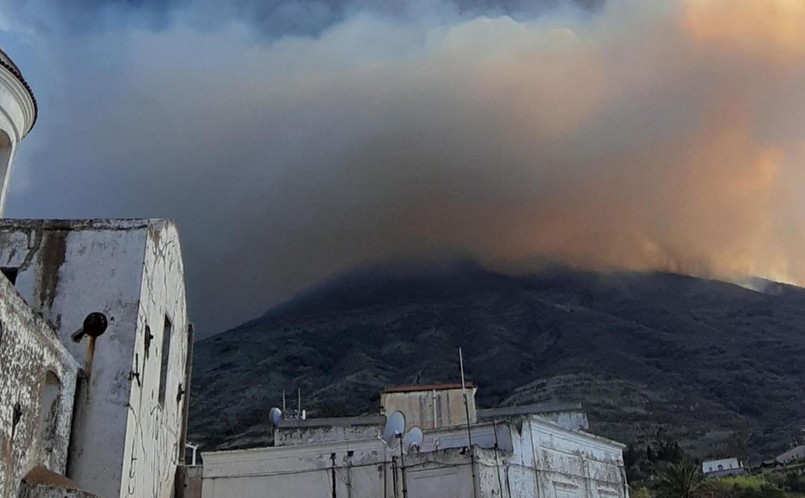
column 332, row 457
column 433, row 402
column 394, row 475
column 469, row 426
column 402, row 468
column 497, row 463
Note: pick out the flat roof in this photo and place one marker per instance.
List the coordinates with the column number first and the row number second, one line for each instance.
column 334, row 422
column 425, row 387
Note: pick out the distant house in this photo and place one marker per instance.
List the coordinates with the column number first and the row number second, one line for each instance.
column 791, row 455
column 722, row 467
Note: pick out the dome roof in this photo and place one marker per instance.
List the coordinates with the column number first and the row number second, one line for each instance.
column 7, row 63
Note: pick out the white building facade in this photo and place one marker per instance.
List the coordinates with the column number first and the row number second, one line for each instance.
column 517, row 456
column 722, row 467
column 95, row 345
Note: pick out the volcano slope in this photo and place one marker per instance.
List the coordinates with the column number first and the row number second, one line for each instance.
column 716, row 366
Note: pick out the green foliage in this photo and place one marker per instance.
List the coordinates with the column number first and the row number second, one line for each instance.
column 680, row 480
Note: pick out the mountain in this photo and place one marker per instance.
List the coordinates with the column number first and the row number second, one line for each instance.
column 714, row 365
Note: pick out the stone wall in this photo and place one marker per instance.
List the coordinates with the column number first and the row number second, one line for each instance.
column 37, row 387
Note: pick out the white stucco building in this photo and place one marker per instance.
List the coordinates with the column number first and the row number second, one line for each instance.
column 95, row 345
column 516, row 452
column 17, row 116
column 722, row 467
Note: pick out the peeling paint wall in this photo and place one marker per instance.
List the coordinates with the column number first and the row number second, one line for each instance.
column 34, row 425
column 123, row 440
column 153, row 430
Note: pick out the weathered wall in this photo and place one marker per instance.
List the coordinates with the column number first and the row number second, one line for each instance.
column 34, row 425
column 154, row 426
column 521, row 458
column 292, row 432
column 305, row 470
column 66, row 270
column 432, row 408
column 564, row 463
column 131, row 271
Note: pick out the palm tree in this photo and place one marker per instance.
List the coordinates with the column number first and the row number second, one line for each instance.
column 680, row 480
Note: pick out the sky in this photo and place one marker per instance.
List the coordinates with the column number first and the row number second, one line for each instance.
column 294, row 140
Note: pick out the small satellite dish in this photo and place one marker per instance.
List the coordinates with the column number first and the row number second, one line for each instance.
column 413, row 438
column 395, row 425
column 275, row 416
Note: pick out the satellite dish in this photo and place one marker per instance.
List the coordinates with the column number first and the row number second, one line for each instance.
column 395, row 425
column 275, row 416
column 413, row 438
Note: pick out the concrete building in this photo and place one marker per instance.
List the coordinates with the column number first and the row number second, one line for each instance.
column 520, row 452
column 722, row 467
column 95, row 345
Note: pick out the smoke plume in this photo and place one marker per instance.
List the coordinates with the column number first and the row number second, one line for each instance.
column 633, row 135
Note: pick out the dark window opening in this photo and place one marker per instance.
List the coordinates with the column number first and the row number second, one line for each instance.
column 10, row 274
column 49, row 415
column 167, row 331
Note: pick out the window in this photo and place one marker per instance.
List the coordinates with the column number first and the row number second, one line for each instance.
column 167, row 331
column 720, row 467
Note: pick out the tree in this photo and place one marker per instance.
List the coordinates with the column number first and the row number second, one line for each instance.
column 680, row 480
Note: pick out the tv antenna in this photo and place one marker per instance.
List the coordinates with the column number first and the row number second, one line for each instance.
column 275, row 416
column 413, row 439
column 395, row 426
column 394, row 431
column 293, row 414
column 469, row 425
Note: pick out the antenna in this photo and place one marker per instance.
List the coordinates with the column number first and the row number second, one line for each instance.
column 469, row 427
column 395, row 425
column 413, row 439
column 275, row 416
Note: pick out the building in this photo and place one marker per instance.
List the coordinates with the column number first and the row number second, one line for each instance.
column 95, row 344
column 18, row 116
column 792, row 455
column 515, row 452
column 722, row 467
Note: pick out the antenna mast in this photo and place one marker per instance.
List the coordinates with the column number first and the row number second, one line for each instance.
column 469, row 426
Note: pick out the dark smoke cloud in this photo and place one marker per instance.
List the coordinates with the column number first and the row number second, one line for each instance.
column 270, row 18
column 641, row 135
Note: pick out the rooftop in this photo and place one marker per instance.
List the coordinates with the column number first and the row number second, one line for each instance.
column 91, row 224
column 425, row 387
column 334, row 422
